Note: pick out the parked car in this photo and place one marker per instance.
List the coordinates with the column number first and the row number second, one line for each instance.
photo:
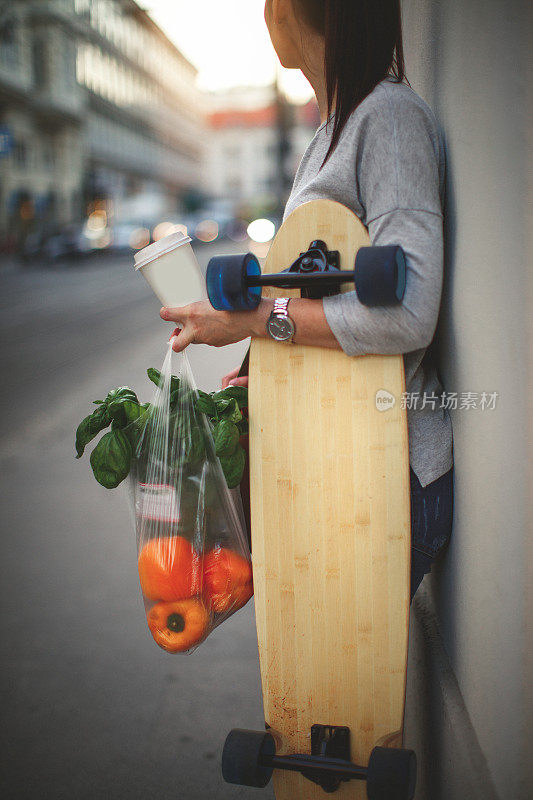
column 52, row 243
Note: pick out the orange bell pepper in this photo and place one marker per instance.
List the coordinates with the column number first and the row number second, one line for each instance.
column 169, row 569
column 227, row 580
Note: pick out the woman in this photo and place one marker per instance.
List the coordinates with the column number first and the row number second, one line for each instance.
column 378, row 152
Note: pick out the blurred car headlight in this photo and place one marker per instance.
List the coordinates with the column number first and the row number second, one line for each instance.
column 261, row 230
column 206, row 230
column 163, row 229
column 139, row 238
column 103, row 241
column 96, row 221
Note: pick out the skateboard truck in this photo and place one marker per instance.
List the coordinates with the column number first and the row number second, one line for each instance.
column 316, row 261
column 234, row 282
column 249, row 758
column 329, row 742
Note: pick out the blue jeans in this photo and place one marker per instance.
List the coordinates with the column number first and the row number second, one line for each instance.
column 431, row 523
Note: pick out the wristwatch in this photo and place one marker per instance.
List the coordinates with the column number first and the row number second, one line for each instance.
column 279, row 325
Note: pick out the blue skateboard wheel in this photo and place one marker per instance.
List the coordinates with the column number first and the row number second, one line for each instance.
column 380, row 275
column 226, row 282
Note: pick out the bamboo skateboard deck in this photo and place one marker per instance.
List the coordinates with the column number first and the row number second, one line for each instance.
column 330, row 518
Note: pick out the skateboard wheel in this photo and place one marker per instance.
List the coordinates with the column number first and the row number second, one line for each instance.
column 241, row 757
column 380, row 275
column 226, row 282
column 391, row 774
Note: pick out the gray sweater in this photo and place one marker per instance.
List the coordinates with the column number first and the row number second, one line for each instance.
column 388, row 167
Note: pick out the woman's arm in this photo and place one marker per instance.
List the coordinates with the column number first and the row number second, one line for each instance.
column 399, row 169
column 201, row 324
column 341, row 321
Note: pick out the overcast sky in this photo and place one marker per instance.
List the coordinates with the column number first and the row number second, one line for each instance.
column 227, row 40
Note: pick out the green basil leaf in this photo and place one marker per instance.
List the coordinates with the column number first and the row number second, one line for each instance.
column 111, row 459
column 233, row 466
column 226, row 437
column 121, row 393
column 192, row 444
column 221, row 404
column 155, row 376
column 186, row 440
column 117, row 413
column 238, row 393
column 174, row 399
column 228, row 408
column 132, row 411
column 205, row 404
column 90, row 427
column 134, row 430
column 197, row 444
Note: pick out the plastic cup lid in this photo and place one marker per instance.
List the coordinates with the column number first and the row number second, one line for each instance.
column 164, row 245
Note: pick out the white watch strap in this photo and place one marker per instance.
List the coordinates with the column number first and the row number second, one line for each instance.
column 280, row 306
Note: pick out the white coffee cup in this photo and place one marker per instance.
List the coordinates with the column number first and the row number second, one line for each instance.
column 170, row 267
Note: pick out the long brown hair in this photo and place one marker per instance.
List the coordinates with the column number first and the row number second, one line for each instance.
column 363, row 46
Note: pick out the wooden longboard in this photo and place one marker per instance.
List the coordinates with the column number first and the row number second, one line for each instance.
column 330, row 518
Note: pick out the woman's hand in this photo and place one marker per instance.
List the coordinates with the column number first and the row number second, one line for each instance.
column 231, row 378
column 201, row 324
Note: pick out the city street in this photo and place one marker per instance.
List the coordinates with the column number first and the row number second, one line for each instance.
column 91, row 707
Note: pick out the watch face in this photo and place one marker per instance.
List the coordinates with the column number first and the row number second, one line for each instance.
column 280, row 328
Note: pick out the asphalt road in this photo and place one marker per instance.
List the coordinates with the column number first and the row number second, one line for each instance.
column 90, row 707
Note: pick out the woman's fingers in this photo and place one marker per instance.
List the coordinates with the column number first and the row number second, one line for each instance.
column 243, row 381
column 183, row 335
column 183, row 340
column 178, row 315
column 229, row 377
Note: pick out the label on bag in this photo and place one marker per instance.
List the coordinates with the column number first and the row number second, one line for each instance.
column 157, row 501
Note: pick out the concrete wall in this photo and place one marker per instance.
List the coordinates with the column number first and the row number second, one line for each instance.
column 470, row 664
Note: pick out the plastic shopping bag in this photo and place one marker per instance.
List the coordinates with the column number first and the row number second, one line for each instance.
column 193, row 556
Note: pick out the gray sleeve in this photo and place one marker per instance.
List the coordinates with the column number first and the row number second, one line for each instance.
column 410, row 325
column 398, row 186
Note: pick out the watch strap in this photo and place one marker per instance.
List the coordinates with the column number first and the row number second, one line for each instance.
column 280, row 306
column 280, row 312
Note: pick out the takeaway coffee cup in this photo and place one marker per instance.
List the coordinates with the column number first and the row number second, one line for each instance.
column 170, row 267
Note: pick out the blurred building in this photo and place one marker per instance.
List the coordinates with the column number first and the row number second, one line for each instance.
column 96, row 104
column 144, row 125
column 256, row 141
column 41, row 112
